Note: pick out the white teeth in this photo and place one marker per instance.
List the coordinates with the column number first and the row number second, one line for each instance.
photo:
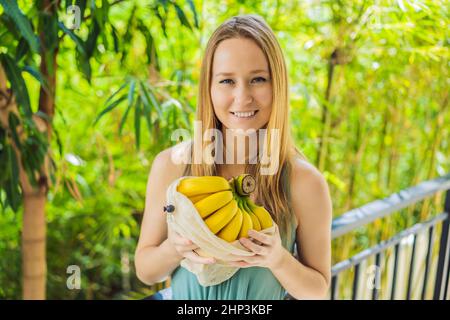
column 244, row 114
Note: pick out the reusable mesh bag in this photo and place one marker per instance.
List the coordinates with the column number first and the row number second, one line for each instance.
column 185, row 220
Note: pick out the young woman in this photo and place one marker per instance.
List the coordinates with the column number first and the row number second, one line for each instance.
column 244, row 85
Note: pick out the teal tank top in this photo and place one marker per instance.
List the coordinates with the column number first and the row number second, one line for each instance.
column 253, row 283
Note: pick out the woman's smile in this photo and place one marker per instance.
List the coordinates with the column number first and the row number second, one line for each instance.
column 244, row 116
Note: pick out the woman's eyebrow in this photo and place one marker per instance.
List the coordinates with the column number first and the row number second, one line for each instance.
column 231, row 73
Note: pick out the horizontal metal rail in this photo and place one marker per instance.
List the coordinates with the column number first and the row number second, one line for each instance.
column 382, row 246
column 380, row 208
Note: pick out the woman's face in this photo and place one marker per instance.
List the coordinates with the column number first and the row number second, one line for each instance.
column 241, row 88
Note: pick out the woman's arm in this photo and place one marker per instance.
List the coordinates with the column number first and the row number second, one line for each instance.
column 308, row 278
column 155, row 256
column 159, row 250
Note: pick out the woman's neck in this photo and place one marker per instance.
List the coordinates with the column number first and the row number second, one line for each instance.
column 242, row 150
column 229, row 171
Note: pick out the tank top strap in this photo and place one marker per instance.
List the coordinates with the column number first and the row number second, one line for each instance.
column 289, row 238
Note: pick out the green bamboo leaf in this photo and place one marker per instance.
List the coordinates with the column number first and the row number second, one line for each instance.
column 18, row 85
column 116, row 92
column 85, row 66
column 110, row 107
column 22, row 49
column 128, row 33
column 131, row 92
column 2, row 203
column 174, row 117
column 13, row 122
column 11, row 29
column 34, row 150
column 101, row 14
column 152, row 56
column 58, row 141
column 130, row 105
column 124, row 118
column 91, row 42
column 22, row 23
column 3, row 157
column 137, row 123
column 178, row 74
column 194, row 11
column 162, row 21
column 115, row 38
column 50, row 29
column 37, row 75
column 181, row 16
column 165, row 5
column 148, row 94
column 147, row 110
column 126, row 231
column 78, row 41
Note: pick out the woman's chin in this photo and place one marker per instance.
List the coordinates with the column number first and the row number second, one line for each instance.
column 242, row 124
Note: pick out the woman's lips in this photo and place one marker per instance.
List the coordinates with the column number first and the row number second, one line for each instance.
column 244, row 115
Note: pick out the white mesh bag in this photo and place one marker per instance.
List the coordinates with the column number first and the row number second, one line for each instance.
column 185, row 220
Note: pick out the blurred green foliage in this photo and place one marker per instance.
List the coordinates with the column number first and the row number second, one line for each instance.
column 382, row 126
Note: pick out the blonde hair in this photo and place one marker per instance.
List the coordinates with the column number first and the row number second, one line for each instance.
column 273, row 190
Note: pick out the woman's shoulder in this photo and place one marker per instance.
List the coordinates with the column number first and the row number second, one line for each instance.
column 171, row 162
column 304, row 172
column 309, row 184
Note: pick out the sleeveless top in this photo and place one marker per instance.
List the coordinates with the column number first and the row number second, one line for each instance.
column 253, row 283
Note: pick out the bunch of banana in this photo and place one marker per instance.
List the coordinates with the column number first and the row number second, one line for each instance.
column 225, row 206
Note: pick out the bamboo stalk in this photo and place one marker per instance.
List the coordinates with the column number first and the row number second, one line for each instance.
column 323, row 142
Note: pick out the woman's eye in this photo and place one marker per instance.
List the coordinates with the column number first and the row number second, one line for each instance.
column 259, row 79
column 226, row 81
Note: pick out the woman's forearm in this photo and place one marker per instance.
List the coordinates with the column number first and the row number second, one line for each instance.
column 300, row 281
column 154, row 264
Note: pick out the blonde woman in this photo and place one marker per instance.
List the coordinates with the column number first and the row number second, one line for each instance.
column 244, row 85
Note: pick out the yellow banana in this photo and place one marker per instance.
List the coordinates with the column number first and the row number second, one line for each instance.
column 261, row 213
column 247, row 224
column 245, row 184
column 213, row 203
column 231, row 231
column 204, row 184
column 256, row 223
column 199, row 197
column 226, row 217
column 222, row 217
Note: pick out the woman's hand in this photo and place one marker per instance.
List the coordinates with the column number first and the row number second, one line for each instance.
column 268, row 250
column 185, row 248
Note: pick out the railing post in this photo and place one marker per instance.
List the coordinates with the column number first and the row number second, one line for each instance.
column 444, row 248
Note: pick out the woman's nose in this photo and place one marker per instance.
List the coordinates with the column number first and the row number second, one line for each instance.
column 243, row 96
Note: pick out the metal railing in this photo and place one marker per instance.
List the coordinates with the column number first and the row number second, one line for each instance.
column 378, row 209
